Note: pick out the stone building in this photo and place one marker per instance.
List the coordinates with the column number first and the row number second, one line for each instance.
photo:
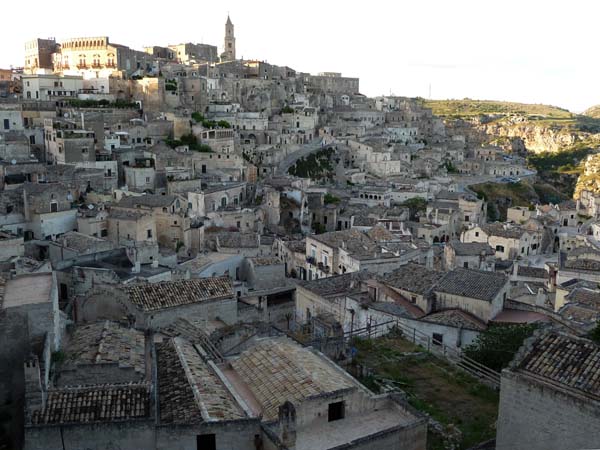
column 549, row 395
column 48, row 210
column 169, row 213
column 151, row 306
column 38, row 55
column 479, row 293
column 472, row 255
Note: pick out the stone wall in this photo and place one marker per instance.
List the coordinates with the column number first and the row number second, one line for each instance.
column 537, row 416
column 238, row 435
column 105, row 436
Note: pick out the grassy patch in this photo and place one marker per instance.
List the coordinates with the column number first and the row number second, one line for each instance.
column 433, row 386
column 501, row 196
column 469, row 107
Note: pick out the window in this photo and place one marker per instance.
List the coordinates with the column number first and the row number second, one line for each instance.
column 84, row 150
column 466, row 264
column 149, row 234
column 6, row 124
column 438, row 339
column 335, row 411
column 53, row 207
column 413, row 299
column 500, row 248
column 104, row 233
column 477, row 234
column 203, row 168
column 466, row 218
column 206, row 442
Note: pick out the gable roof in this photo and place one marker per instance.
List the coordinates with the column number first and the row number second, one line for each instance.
column 104, row 403
column 278, row 370
column 412, row 277
column 471, row 283
column 471, row 248
column 107, row 342
column 189, row 389
column 148, row 200
column 532, row 272
column 564, row 360
column 168, row 294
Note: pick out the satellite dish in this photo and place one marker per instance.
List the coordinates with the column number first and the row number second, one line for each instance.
column 13, row 162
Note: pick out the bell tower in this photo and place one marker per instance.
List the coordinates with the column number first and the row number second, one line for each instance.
column 229, row 51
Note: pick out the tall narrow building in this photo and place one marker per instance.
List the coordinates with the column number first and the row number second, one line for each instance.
column 229, row 50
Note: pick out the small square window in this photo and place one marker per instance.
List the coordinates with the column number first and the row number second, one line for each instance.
column 336, row 411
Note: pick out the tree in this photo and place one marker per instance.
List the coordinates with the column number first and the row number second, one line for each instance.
column 415, row 206
column 329, row 198
column 496, row 347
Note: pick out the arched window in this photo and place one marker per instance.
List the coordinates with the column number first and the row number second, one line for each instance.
column 223, row 202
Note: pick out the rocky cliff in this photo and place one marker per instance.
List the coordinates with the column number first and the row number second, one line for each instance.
column 536, row 136
column 589, row 180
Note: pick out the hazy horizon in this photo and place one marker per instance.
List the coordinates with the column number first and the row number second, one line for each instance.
column 529, row 52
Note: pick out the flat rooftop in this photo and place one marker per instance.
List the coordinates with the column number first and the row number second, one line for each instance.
column 325, row 435
column 27, row 290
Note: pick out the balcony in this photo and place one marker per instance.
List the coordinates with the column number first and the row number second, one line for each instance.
column 311, row 260
column 82, row 66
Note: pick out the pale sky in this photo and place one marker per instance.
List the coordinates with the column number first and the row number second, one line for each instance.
column 525, row 50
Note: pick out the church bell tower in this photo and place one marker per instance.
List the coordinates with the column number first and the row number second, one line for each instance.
column 229, row 51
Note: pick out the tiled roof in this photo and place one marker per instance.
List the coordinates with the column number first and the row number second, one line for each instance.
column 234, row 239
column 79, row 241
column 265, row 261
column 503, row 230
column 278, row 370
column 149, row 200
column 104, row 403
column 565, row 360
column 125, row 214
column 189, row 389
column 412, row 278
column 586, row 296
column 582, row 264
column 456, row 318
column 296, row 246
column 336, row 285
column 470, row 283
column 532, row 272
column 380, row 234
column 168, row 294
column 107, row 342
column 471, row 248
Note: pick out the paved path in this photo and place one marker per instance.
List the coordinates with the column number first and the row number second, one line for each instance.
column 291, row 159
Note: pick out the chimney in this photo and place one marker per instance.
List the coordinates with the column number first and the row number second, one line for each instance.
column 136, row 267
column 34, row 394
column 287, row 425
column 540, row 298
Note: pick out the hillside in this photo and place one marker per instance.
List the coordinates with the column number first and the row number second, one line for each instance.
column 593, row 112
column 468, row 107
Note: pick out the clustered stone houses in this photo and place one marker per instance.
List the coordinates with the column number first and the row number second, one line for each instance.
column 170, row 217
